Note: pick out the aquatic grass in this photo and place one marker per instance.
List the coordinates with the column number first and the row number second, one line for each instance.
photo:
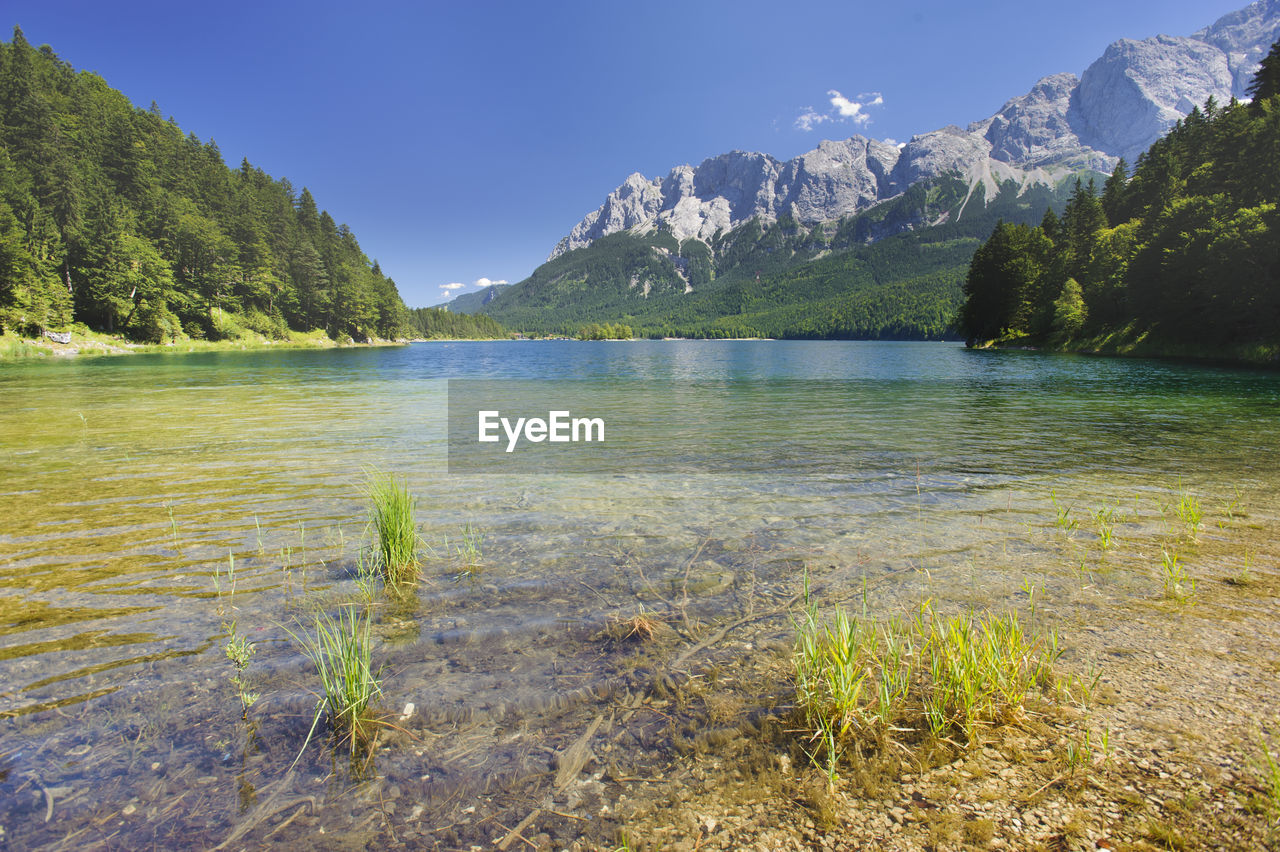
column 1063, row 519
column 1267, row 768
column 1244, row 576
column 366, row 578
column 862, row 680
column 1179, row 586
column 469, row 551
column 1188, row 510
column 1077, row 753
column 1104, row 519
column 1233, row 510
column 173, row 527
column 391, row 516
column 983, row 667
column 341, row 649
column 238, row 649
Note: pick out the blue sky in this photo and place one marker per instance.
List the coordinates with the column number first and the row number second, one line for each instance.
column 461, row 140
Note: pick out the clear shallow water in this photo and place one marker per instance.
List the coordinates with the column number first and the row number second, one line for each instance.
column 126, row 483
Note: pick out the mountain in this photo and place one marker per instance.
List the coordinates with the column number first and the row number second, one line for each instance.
column 1181, row 258
column 1122, row 103
column 470, row 303
column 893, row 271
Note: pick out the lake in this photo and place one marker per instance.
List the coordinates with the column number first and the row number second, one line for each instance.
column 151, row 501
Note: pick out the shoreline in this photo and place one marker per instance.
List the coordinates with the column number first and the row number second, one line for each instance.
column 1127, row 343
column 92, row 345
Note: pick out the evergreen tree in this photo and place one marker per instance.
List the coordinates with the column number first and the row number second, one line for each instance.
column 1266, row 82
column 1113, row 192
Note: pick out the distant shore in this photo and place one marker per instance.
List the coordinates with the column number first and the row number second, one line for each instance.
column 93, row 344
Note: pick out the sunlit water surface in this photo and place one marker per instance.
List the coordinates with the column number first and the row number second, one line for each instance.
column 130, row 486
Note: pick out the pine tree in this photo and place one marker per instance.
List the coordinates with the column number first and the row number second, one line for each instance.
column 1113, row 193
column 1266, row 83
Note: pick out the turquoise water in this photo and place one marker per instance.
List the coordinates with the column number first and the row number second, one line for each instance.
column 129, row 487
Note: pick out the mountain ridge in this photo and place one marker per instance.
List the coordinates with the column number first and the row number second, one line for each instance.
column 1120, row 104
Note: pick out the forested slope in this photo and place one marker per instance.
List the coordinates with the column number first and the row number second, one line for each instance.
column 112, row 217
column 1184, row 253
column 892, row 272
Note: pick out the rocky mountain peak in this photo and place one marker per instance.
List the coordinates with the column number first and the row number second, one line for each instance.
column 1119, row 105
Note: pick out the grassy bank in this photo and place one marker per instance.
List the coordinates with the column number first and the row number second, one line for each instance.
column 83, row 342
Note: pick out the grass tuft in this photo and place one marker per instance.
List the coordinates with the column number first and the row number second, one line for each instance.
column 1064, row 520
column 391, row 516
column 1188, row 510
column 1104, row 518
column 1268, row 769
column 469, row 551
column 341, row 650
column 858, row 679
column 1178, row 584
column 641, row 627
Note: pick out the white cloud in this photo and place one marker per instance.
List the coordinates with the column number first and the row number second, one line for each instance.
column 809, row 119
column 855, row 109
column 842, row 109
column 479, row 284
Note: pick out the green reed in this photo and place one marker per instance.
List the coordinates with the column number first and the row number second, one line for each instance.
column 857, row 678
column 1063, row 519
column 1178, row 584
column 469, row 551
column 341, row 649
column 391, row 516
column 1188, row 510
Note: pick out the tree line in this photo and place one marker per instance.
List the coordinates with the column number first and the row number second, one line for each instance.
column 112, row 218
column 1186, row 249
column 439, row 323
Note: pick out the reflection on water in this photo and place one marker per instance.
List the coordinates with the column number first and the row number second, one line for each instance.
column 129, row 487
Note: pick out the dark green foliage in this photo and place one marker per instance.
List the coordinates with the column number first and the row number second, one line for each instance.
column 438, row 323
column 1003, row 285
column 1266, row 83
column 1112, row 193
column 891, row 272
column 1188, row 249
column 111, row 216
